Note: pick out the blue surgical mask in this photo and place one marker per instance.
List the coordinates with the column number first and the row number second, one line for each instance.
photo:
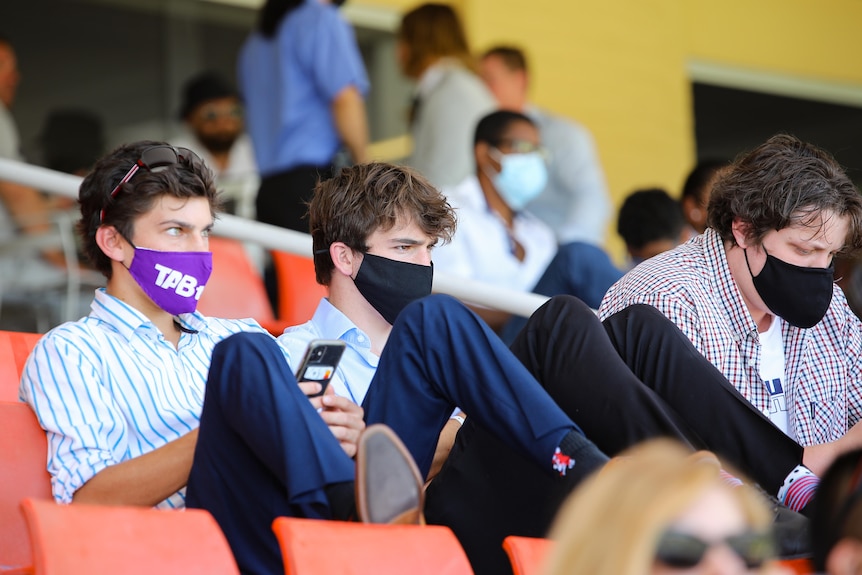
column 522, row 177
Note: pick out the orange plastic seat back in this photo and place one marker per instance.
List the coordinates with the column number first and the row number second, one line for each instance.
column 298, row 290
column 314, row 546
column 23, row 457
column 15, row 348
column 527, row 554
column 103, row 540
column 235, row 289
column 798, row 566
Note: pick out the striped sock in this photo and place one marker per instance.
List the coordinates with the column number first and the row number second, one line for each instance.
column 729, row 479
column 798, row 488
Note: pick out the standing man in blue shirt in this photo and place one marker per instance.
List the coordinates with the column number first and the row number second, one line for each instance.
column 303, row 82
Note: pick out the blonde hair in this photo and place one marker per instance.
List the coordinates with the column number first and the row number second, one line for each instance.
column 611, row 524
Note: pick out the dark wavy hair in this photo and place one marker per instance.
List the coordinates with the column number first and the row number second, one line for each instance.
column 361, row 199
column 837, row 507
column 188, row 179
column 784, row 182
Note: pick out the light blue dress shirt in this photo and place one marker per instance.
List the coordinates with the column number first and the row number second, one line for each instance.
column 358, row 364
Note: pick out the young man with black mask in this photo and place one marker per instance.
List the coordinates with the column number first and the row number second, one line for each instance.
column 755, row 295
column 373, row 228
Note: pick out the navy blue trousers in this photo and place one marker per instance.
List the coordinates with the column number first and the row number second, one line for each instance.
column 263, row 451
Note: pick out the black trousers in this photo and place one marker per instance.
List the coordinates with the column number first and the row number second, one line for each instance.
column 632, row 377
column 282, row 199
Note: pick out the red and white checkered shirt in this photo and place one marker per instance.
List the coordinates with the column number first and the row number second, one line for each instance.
column 692, row 286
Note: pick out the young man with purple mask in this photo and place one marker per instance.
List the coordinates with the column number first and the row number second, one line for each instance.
column 755, row 294
column 147, row 402
column 122, row 391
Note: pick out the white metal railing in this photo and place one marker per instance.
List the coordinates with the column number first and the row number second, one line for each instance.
column 275, row 238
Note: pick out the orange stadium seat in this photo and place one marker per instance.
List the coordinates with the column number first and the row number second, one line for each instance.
column 23, row 456
column 15, row 347
column 527, row 554
column 798, row 566
column 298, row 290
column 235, row 290
column 314, row 546
column 106, row 540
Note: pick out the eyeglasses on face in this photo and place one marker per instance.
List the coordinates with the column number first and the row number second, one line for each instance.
column 684, row 551
column 154, row 159
column 516, row 146
column 213, row 113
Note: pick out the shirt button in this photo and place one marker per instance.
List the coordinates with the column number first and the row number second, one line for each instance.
column 360, row 338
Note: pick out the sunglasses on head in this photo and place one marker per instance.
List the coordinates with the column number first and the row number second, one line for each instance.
column 685, row 551
column 154, row 159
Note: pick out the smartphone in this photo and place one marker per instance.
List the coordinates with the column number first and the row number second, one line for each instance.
column 320, row 361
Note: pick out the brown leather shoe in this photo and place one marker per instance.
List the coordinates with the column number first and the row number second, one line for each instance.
column 388, row 484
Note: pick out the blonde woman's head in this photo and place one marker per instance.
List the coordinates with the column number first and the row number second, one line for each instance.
column 657, row 497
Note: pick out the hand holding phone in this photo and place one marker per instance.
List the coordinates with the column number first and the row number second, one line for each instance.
column 320, row 362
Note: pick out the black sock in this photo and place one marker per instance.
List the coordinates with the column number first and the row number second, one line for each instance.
column 577, row 453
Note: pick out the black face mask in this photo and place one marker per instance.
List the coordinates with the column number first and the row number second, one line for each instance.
column 800, row 296
column 390, row 285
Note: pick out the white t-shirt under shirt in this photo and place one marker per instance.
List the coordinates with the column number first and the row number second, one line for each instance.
column 772, row 373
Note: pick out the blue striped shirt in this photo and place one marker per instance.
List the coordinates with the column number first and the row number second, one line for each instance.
column 109, row 388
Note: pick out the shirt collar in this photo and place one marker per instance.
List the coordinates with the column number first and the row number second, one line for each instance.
column 127, row 320
column 333, row 324
column 724, row 284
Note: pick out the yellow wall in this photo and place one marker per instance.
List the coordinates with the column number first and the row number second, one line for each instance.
column 619, row 66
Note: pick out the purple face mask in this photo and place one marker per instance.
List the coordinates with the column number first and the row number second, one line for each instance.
column 173, row 280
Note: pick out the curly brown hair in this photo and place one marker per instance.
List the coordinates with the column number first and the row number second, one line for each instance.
column 361, row 199
column 784, row 182
column 187, row 179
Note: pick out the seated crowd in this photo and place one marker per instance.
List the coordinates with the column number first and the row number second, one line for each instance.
column 698, row 412
column 147, row 402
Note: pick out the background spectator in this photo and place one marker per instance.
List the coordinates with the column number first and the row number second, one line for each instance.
column 213, row 115
column 499, row 241
column 695, row 192
column 836, row 525
column 650, row 222
column 303, row 82
column 450, row 98
column 575, row 203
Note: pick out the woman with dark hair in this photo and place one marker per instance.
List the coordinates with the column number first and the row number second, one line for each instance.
column 836, row 524
column 449, row 99
column 303, row 82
